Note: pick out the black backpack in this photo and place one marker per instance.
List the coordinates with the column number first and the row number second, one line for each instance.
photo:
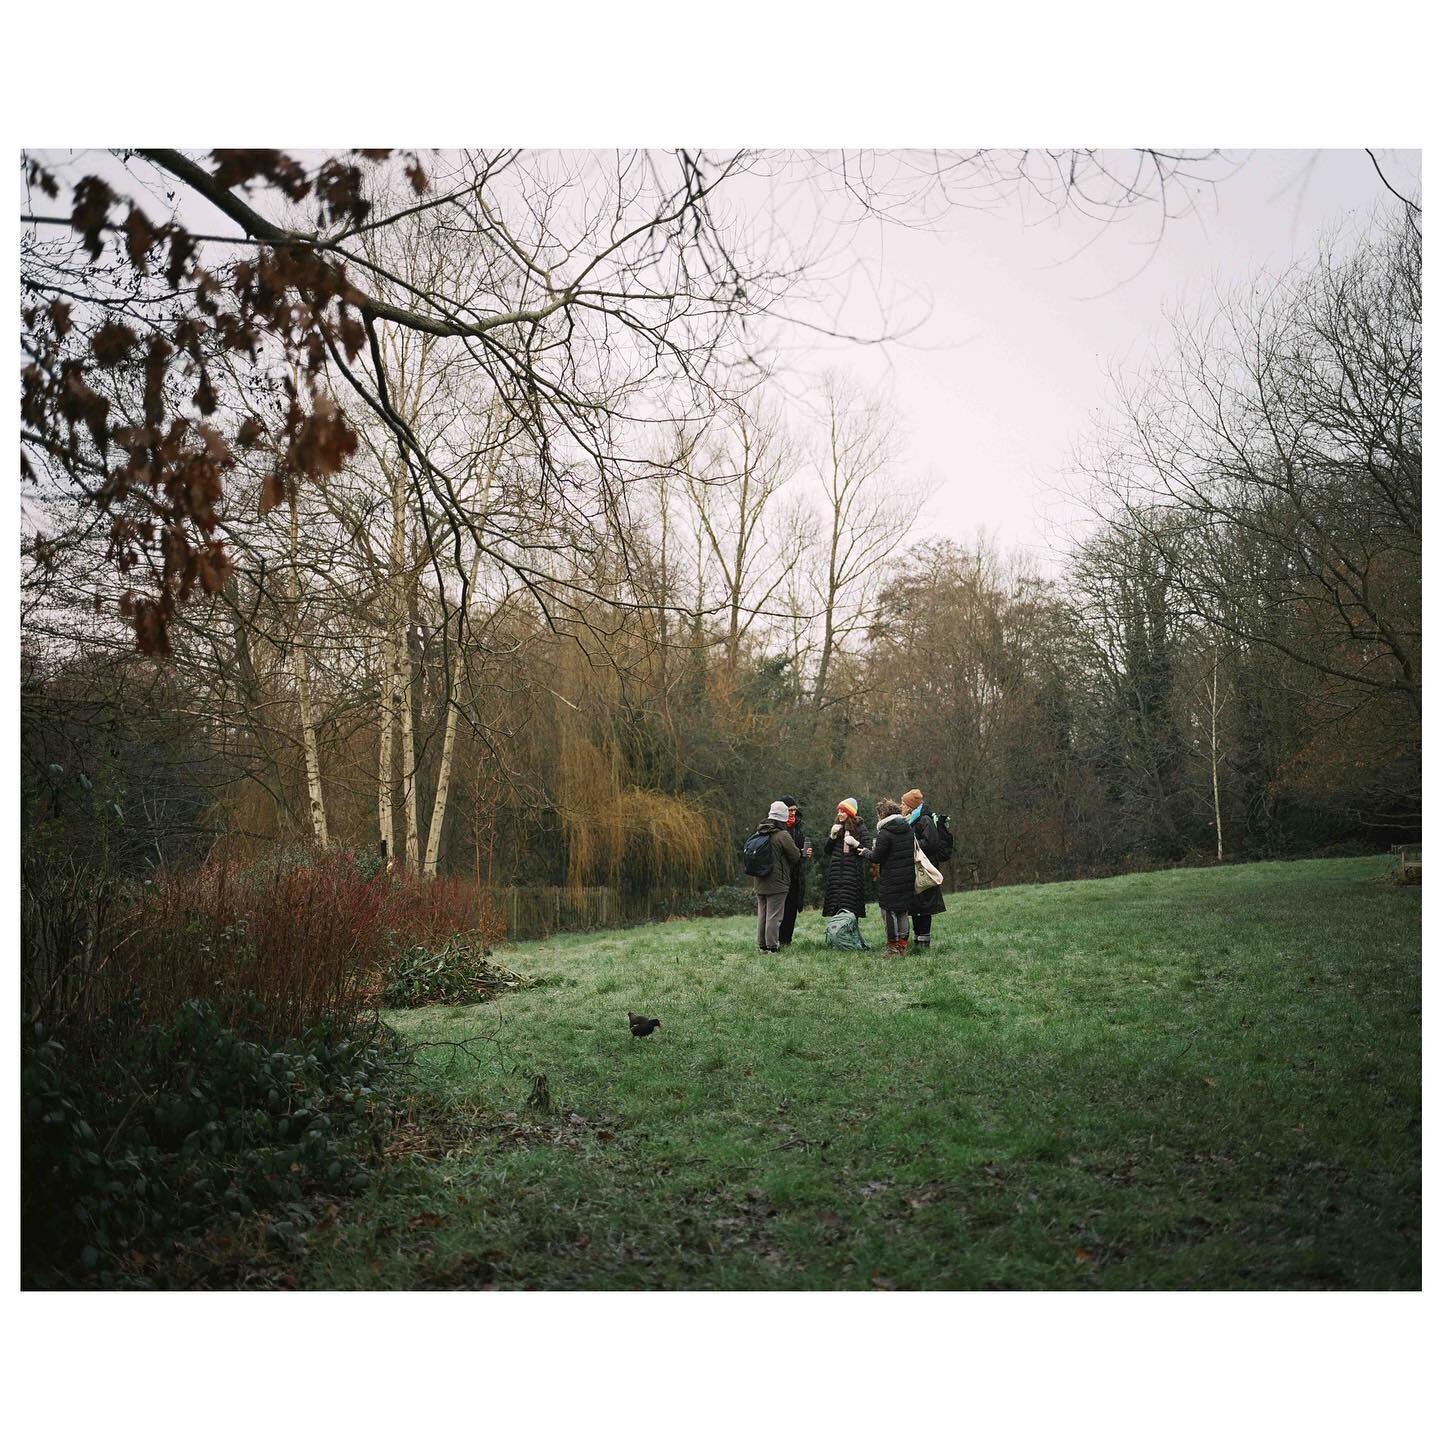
column 759, row 855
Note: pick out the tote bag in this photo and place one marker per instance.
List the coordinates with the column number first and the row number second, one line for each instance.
column 927, row 877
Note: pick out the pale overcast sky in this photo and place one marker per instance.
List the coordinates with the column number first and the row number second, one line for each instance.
column 1022, row 329
column 998, row 385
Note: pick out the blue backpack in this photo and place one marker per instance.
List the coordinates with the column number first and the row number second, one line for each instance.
column 759, row 855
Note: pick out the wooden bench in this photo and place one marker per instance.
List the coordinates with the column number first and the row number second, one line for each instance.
column 1407, row 864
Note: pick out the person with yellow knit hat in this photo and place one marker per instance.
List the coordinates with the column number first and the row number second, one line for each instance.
column 933, row 837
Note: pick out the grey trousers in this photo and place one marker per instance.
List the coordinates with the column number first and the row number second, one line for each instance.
column 897, row 924
column 769, row 911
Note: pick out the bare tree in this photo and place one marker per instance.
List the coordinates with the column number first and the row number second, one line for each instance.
column 753, row 545
column 1275, row 458
column 607, row 291
column 865, row 514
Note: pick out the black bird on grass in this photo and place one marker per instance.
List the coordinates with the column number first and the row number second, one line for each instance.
column 639, row 1025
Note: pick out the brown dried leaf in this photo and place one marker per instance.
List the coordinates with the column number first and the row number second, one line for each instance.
column 112, row 342
column 212, row 568
column 91, row 212
column 140, row 235
column 151, row 633
column 272, row 492
column 40, row 176
column 182, row 247
column 352, row 334
column 156, row 362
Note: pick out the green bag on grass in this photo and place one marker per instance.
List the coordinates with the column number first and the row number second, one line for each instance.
column 842, row 932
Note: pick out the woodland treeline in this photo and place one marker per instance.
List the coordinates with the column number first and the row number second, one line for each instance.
column 458, row 624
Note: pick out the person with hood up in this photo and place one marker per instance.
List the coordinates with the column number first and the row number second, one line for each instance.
column 935, row 840
column 772, row 888
column 894, row 854
column 795, row 896
column 845, row 869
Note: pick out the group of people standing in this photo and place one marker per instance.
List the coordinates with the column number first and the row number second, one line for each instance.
column 850, row 847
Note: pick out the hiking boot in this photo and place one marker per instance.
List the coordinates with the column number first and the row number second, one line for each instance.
column 902, row 945
column 922, row 942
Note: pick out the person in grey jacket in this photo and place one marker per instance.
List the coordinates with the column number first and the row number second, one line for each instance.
column 771, row 889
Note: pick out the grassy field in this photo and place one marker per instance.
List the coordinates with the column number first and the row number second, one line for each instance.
column 1193, row 1079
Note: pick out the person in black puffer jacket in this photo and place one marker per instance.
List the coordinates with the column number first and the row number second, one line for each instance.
column 795, row 896
column 844, row 869
column 894, row 854
column 938, row 846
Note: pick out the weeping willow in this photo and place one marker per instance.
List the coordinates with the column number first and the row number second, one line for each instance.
column 625, row 835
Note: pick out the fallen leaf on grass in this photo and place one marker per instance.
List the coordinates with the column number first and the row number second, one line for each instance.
column 1210, row 1084
column 1083, row 1256
column 881, row 1282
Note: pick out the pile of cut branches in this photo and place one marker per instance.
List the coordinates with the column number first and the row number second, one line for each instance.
column 461, row 971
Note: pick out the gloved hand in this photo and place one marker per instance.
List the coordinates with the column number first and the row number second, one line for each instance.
column 834, row 830
column 851, row 843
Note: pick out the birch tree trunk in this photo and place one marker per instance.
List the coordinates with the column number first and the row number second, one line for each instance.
column 400, row 698
column 312, row 749
column 1215, row 749
column 404, row 690
column 452, row 687
column 387, row 745
column 447, row 751
column 302, row 685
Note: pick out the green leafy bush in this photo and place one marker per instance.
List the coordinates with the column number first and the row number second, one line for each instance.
column 184, row 1127
column 458, row 972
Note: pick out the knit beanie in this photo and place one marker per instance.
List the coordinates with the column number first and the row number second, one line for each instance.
column 780, row 811
column 849, row 806
column 910, row 799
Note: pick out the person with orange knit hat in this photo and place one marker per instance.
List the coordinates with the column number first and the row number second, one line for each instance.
column 844, row 865
column 933, row 837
